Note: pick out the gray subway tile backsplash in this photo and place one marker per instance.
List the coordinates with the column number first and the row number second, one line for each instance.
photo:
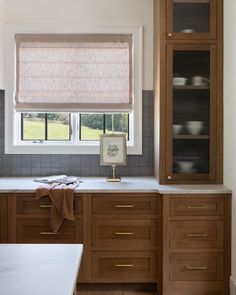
column 82, row 165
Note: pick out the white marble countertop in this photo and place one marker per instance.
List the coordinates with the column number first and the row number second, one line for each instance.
column 39, row 269
column 127, row 184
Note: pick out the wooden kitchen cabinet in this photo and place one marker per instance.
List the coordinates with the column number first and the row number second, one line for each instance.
column 178, row 243
column 196, row 244
column 3, row 219
column 188, row 91
column 29, row 221
column 125, row 237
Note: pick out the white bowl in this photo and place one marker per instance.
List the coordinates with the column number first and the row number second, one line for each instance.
column 177, row 129
column 179, row 81
column 194, row 127
column 185, row 166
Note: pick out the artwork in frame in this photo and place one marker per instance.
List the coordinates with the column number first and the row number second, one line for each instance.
column 113, row 152
column 113, row 149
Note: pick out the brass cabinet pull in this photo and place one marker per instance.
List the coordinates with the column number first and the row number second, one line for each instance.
column 197, row 235
column 124, row 265
column 202, row 267
column 45, row 206
column 48, row 233
column 197, row 207
column 124, row 233
column 125, row 206
column 169, row 34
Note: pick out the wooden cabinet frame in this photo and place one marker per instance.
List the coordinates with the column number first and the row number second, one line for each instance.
column 172, row 283
column 163, row 46
column 3, row 219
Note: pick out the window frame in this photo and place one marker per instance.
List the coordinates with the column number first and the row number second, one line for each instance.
column 12, row 143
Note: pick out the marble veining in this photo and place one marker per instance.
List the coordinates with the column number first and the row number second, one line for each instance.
column 127, row 184
column 39, row 269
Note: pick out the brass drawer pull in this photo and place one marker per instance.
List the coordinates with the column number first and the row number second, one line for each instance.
column 124, row 265
column 124, row 233
column 125, row 206
column 202, row 267
column 45, row 206
column 192, row 235
column 197, row 207
column 48, row 233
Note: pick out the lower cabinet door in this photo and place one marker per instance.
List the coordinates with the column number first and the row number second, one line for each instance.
column 127, row 266
column 38, row 231
column 196, row 267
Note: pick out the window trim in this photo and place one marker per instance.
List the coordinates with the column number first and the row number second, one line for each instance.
column 12, row 146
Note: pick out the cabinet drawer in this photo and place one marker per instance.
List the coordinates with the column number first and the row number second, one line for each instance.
column 38, row 231
column 196, row 206
column 125, row 233
column 124, row 204
column 28, row 205
column 196, row 234
column 124, row 266
column 196, row 267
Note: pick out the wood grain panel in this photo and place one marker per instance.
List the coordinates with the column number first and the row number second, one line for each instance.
column 28, row 205
column 111, row 266
column 3, row 219
column 38, row 231
column 197, row 267
column 198, row 205
column 196, row 234
column 124, row 204
column 124, row 233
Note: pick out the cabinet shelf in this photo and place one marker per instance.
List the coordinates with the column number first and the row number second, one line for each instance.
column 191, row 87
column 192, row 1
column 189, row 136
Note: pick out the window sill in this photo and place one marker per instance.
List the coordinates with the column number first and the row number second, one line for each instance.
column 64, row 149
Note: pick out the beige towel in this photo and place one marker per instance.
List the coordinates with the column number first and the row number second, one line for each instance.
column 62, row 197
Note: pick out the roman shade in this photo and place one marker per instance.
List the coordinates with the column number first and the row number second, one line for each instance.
column 73, row 73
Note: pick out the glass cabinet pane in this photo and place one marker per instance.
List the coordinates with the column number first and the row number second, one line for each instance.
column 191, row 111
column 191, row 16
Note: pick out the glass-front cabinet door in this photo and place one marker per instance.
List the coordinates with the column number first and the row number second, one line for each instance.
column 191, row 112
column 191, row 19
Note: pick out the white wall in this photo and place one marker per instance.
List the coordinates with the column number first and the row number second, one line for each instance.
column 92, row 12
column 230, row 113
column 2, row 15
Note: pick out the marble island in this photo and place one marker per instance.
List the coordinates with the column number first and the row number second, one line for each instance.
column 127, row 184
column 39, row 269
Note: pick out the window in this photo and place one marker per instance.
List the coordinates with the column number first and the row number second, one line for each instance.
column 43, row 127
column 66, row 87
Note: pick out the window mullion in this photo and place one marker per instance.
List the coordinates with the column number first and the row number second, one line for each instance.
column 75, row 127
column 104, row 123
column 46, row 126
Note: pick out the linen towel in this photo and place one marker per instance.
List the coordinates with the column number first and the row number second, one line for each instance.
column 62, row 199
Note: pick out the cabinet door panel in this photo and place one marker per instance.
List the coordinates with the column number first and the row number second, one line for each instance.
column 27, row 204
column 197, row 206
column 196, row 267
column 38, row 231
column 124, row 204
column 124, row 266
column 124, row 233
column 197, row 234
column 191, row 19
column 191, row 113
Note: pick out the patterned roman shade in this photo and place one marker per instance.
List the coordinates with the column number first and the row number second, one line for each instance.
column 73, row 73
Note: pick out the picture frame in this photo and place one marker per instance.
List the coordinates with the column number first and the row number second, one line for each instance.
column 113, row 149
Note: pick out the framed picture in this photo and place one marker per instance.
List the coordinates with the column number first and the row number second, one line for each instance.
column 113, row 149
